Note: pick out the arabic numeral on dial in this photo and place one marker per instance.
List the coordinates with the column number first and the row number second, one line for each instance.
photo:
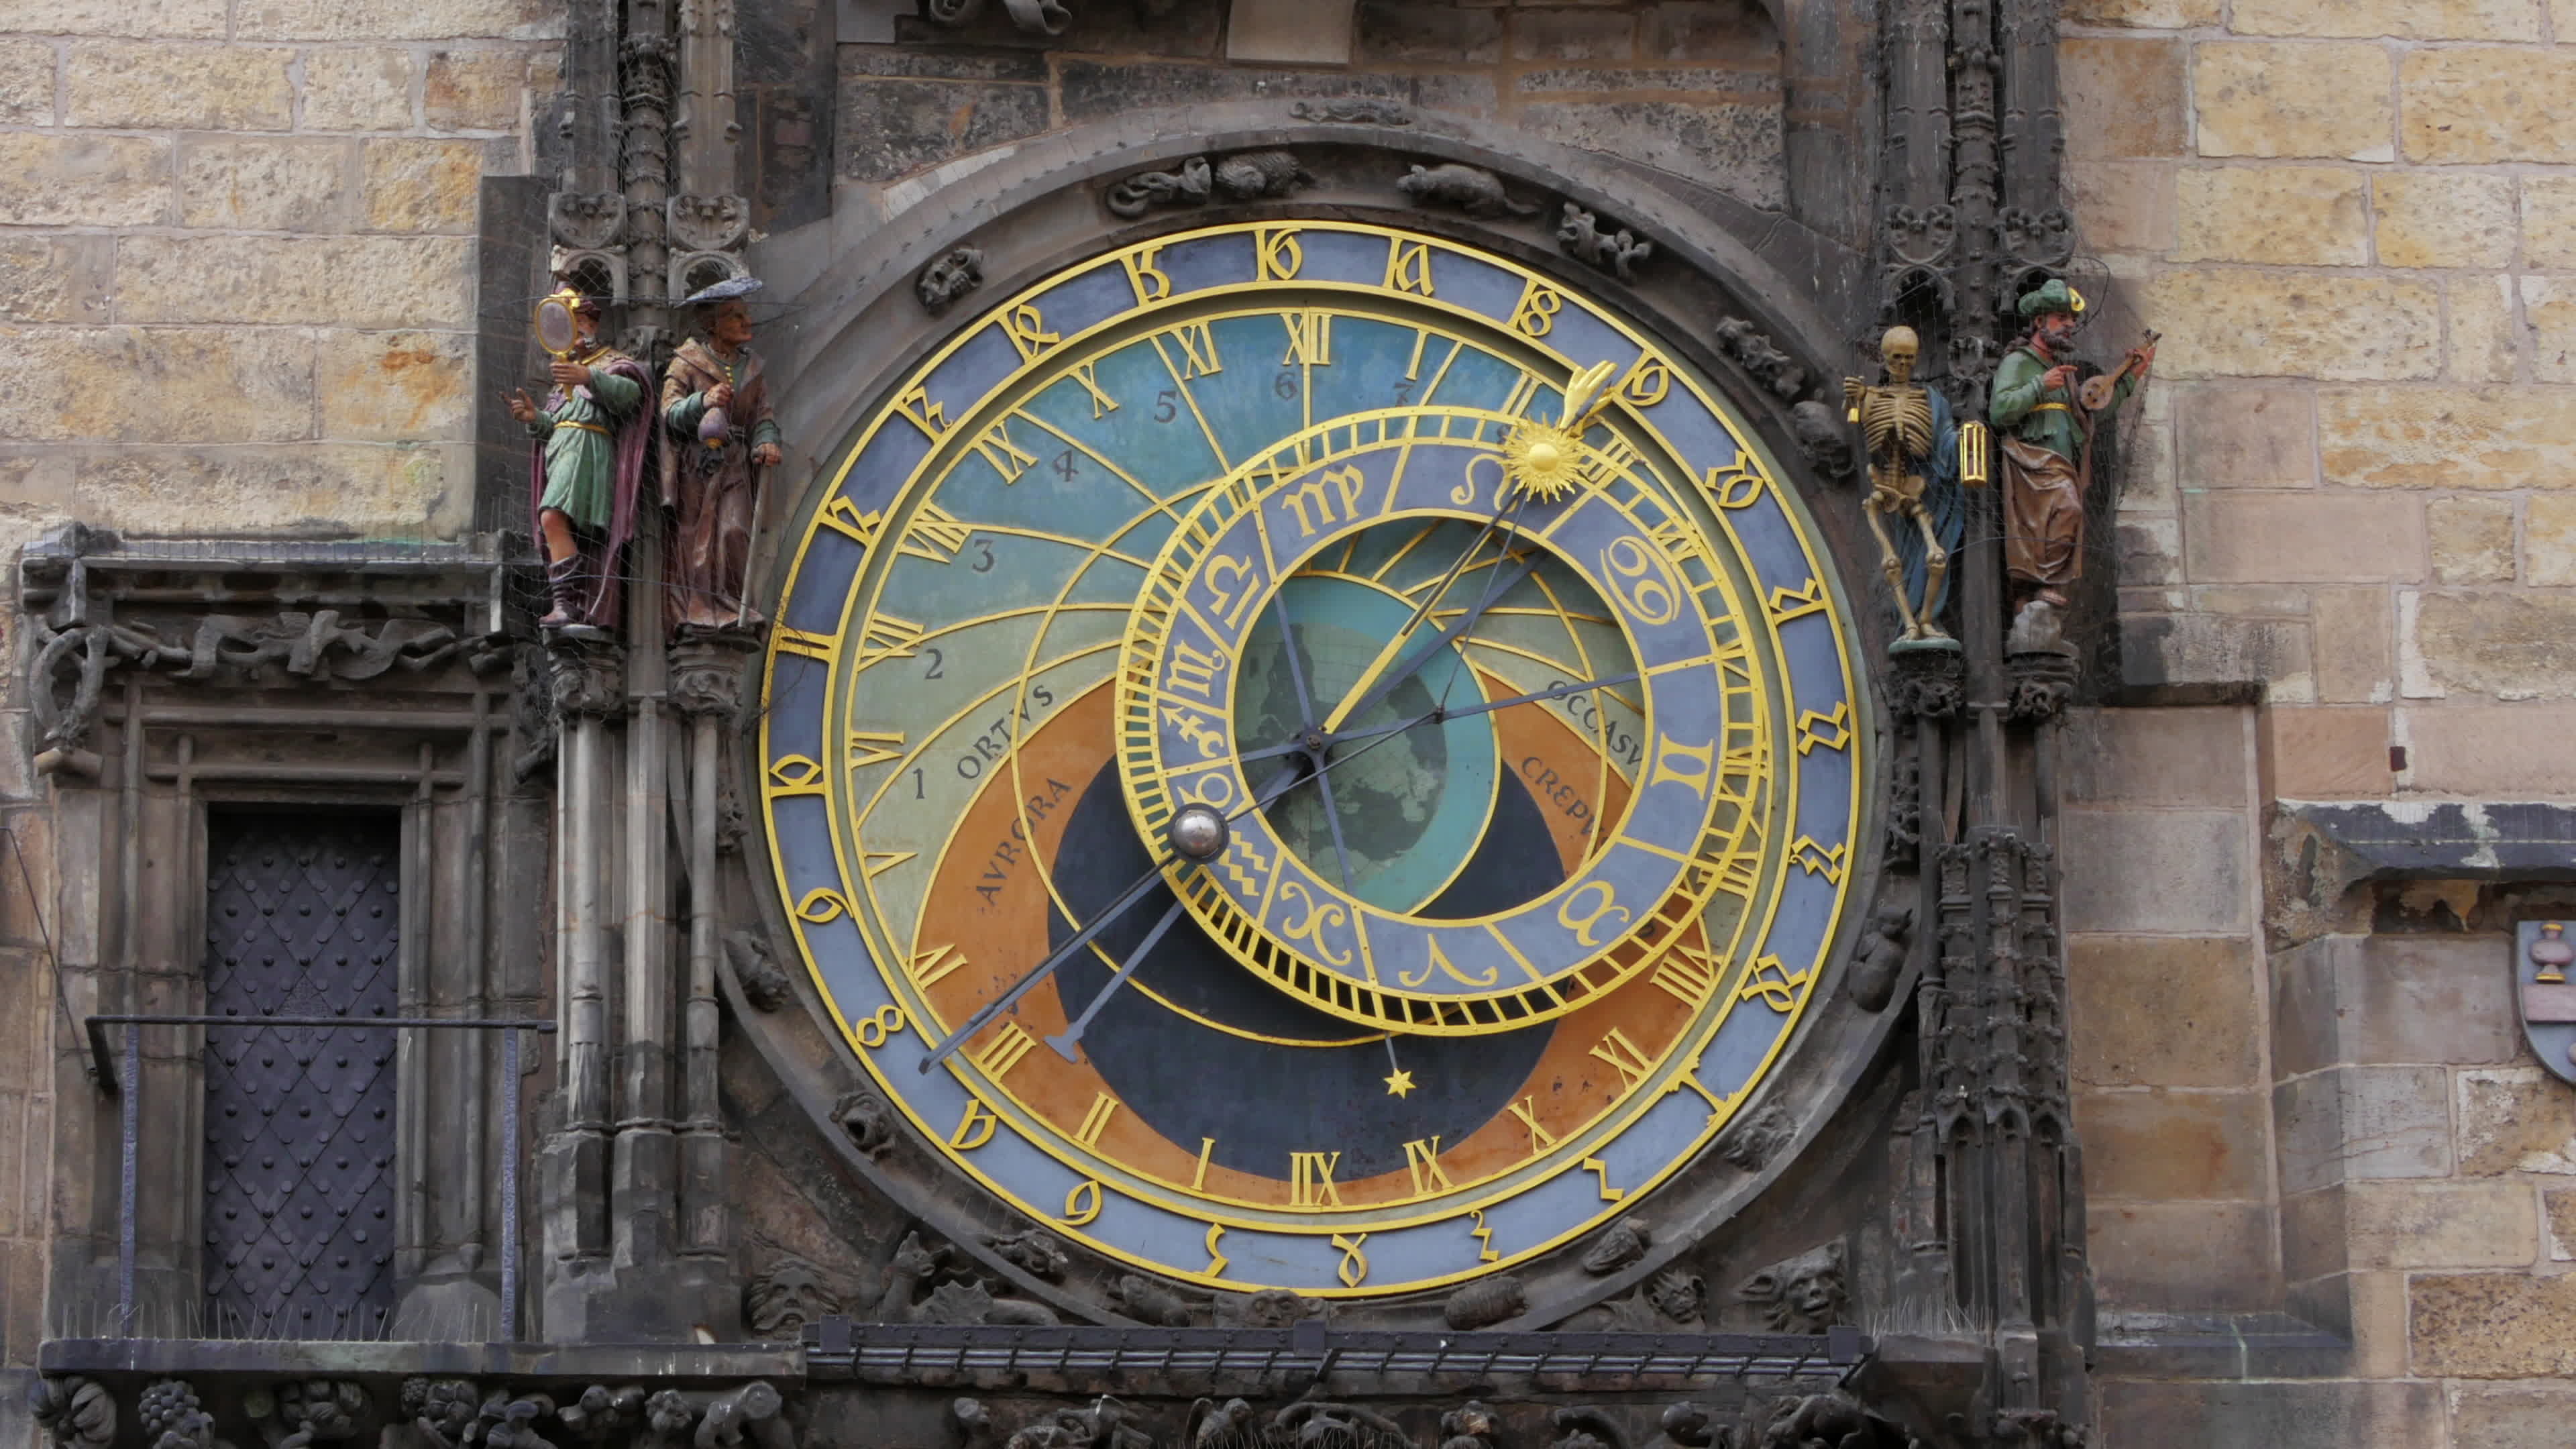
column 916, row 784
column 983, row 547
column 1065, row 466
column 937, row 668
column 1404, row 394
column 1285, row 384
column 1167, row 405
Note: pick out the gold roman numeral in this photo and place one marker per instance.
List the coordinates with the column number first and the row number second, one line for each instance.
column 1422, row 1159
column 930, row 965
column 1540, row 1138
column 1310, row 338
column 935, row 534
column 1622, row 1054
column 874, row 747
column 1102, row 404
column 1689, row 973
column 1004, row 1051
column 1198, row 350
column 884, row 636
column 1096, row 1121
column 1310, row 1179
column 1007, row 457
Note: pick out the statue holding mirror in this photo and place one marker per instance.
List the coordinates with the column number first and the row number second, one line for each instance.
column 591, row 436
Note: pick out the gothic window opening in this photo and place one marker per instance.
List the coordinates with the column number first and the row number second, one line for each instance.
column 302, row 920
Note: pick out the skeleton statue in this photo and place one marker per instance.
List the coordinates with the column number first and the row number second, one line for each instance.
column 1913, row 479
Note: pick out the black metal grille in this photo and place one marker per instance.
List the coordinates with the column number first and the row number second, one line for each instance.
column 901, row 1353
column 302, row 919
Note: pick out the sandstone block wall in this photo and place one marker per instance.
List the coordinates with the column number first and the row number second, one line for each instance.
column 2355, row 223
column 236, row 280
column 1690, row 86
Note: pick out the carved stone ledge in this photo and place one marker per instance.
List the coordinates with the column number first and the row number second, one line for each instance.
column 587, row 677
column 2043, row 683
column 1927, row 682
column 706, row 672
column 247, row 614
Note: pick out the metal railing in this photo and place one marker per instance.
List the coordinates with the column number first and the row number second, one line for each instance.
column 836, row 1347
column 127, row 1087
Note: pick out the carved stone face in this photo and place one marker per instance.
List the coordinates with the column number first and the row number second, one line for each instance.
column 1898, row 349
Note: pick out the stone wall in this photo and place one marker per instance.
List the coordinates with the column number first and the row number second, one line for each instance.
column 2355, row 223
column 1693, row 87
column 236, row 279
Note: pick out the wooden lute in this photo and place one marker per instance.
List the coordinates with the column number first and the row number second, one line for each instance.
column 2095, row 391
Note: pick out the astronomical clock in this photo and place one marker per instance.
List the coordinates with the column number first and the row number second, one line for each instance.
column 1311, row 756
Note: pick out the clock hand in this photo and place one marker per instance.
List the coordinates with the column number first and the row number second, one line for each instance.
column 1489, row 706
column 1502, row 517
column 1066, row 1045
column 1495, row 590
column 1306, row 724
column 1280, row 784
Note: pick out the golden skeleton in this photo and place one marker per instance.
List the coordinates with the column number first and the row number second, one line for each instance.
column 1896, row 422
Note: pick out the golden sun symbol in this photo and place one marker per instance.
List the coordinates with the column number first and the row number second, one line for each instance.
column 1541, row 458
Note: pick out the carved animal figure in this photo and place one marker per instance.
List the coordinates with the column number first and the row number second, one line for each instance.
column 1586, row 1428
column 1255, row 174
column 1621, row 1244
column 1268, row 1308
column 1484, row 1303
column 1472, row 1425
column 1471, row 189
column 1615, row 252
column 1034, row 1251
column 1220, row 1426
column 1678, row 1294
column 951, row 1302
column 1151, row 1302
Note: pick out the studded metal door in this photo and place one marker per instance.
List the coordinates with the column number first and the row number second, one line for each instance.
column 301, row 920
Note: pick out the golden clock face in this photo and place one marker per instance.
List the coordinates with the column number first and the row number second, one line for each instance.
column 1521, row 693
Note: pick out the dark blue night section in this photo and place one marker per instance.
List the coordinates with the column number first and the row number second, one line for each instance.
column 1343, row 256
column 1208, row 261
column 1140, row 424
column 1262, row 1100
column 823, row 582
column 1254, row 403
column 885, row 463
column 801, row 831
column 960, row 382
column 1824, row 794
column 1479, row 286
column 795, row 706
column 1079, row 303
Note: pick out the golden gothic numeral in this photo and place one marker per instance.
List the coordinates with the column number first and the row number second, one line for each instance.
column 1774, row 984
column 975, row 1128
column 872, row 1031
column 1354, row 1267
column 1408, row 269
column 1148, row 280
column 1216, row 1260
column 1082, row 1204
column 930, row 417
column 1028, row 331
column 1484, row 1237
column 1535, row 316
column 1832, row 731
column 1601, row 1170
column 795, row 775
column 1281, row 256
column 1647, row 382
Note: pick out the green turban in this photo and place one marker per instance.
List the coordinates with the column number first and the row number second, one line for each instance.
column 2056, row 296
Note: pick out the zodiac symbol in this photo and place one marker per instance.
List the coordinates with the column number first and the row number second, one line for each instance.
column 1310, row 927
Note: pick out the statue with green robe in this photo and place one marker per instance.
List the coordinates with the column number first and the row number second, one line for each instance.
column 592, row 436
column 2043, row 415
